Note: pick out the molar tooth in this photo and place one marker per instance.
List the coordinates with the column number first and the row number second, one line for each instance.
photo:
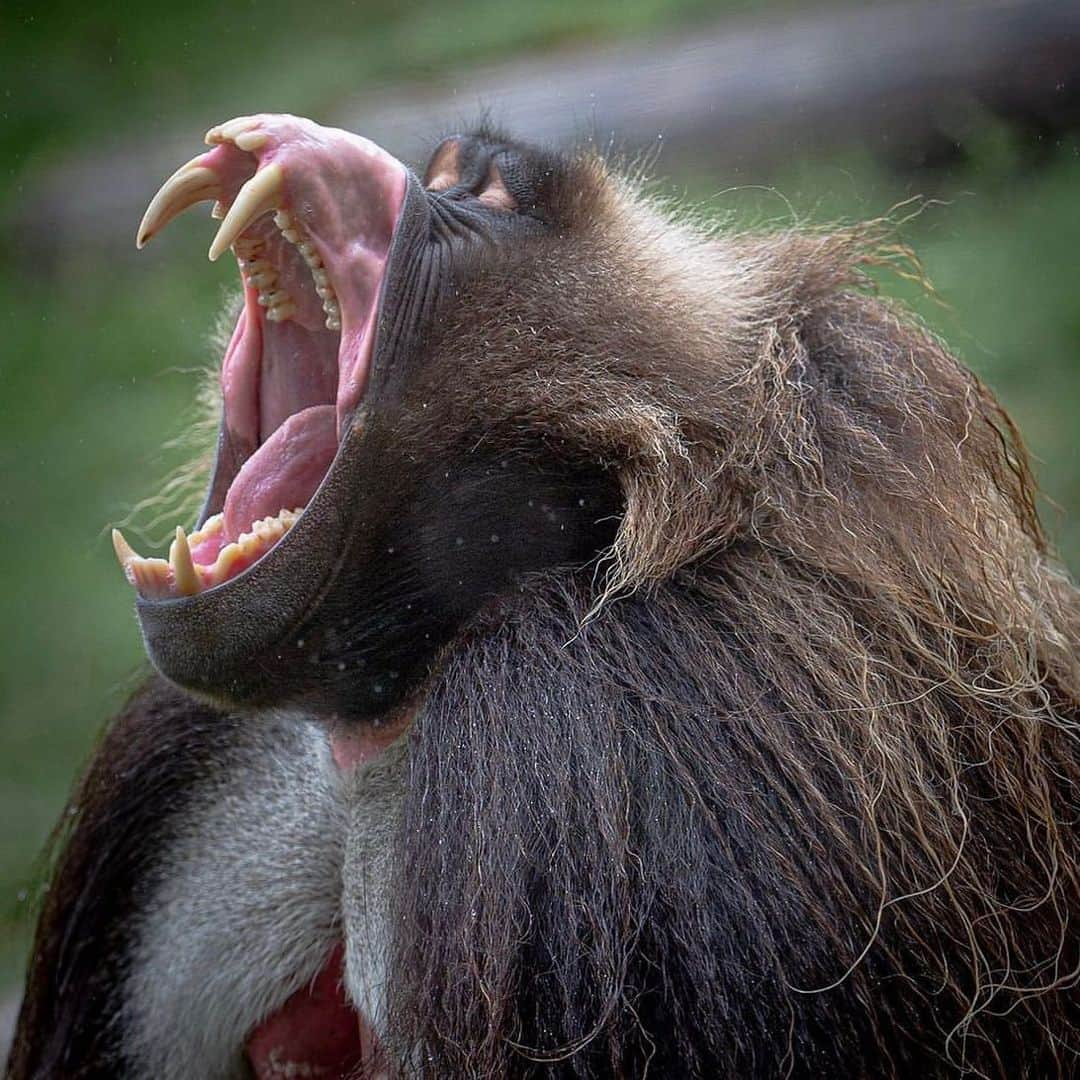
column 320, row 277
column 307, row 249
column 191, row 183
column 292, row 235
column 283, row 219
column 271, row 299
column 210, row 527
column 262, row 279
column 281, row 312
column 185, row 576
column 333, row 322
column 260, row 194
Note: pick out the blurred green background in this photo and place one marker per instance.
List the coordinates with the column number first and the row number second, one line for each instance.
column 97, row 349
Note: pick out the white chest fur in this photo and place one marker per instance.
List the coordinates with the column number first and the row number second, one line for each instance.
column 281, row 857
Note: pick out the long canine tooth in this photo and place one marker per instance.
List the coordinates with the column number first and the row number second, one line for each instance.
column 124, row 551
column 190, row 184
column 184, row 575
column 260, row 194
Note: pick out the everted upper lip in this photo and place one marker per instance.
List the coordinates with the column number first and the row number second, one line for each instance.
column 312, row 214
column 219, row 641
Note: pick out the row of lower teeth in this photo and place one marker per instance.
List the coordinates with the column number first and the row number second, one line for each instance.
column 180, row 576
column 294, row 233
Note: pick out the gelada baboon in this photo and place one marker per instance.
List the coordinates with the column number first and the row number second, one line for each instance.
column 608, row 649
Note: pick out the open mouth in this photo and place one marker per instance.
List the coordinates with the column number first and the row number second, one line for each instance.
column 310, row 213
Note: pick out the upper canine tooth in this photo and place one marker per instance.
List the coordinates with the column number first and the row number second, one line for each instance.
column 185, row 576
column 191, row 183
column 261, row 193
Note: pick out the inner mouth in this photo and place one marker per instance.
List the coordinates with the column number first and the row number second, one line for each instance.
column 310, row 214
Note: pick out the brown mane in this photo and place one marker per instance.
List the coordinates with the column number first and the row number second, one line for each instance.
column 849, row 663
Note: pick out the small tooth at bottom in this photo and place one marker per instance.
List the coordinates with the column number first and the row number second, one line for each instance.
column 272, row 299
column 150, row 577
column 332, row 323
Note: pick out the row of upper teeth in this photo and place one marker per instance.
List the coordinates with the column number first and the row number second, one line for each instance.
column 261, row 274
column 179, row 575
column 294, row 232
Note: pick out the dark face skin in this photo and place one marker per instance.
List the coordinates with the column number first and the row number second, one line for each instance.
column 424, row 515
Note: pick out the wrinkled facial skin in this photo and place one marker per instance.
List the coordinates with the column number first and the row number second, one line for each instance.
column 423, row 516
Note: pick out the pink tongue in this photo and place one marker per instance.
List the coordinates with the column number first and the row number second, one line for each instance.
column 285, row 471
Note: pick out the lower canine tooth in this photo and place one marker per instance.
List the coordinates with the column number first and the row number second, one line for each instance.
column 124, row 551
column 185, row 576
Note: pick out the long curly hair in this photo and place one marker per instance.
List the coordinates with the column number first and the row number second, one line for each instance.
column 800, row 756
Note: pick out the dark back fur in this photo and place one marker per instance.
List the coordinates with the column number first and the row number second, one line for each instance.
column 119, row 820
column 792, row 787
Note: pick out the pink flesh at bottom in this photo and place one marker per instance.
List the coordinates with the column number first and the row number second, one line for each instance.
column 317, row 1028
